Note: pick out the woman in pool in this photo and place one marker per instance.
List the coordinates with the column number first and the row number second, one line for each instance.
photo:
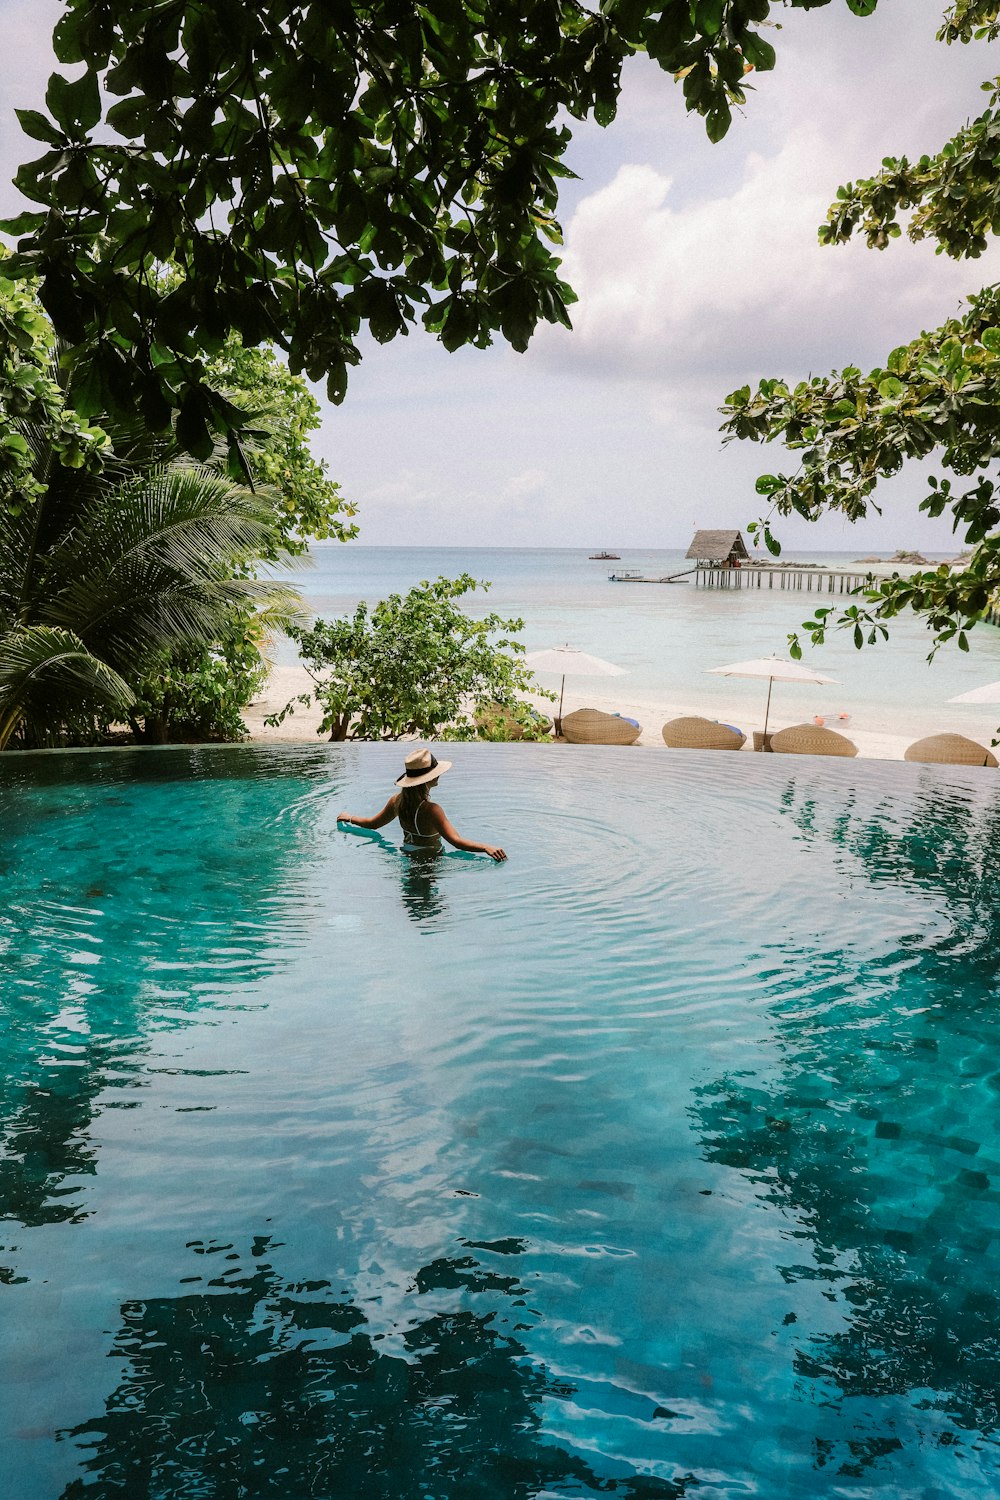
column 424, row 822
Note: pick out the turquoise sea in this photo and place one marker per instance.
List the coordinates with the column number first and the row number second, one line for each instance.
column 667, row 636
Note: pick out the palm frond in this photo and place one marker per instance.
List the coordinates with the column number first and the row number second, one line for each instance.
column 107, row 568
column 175, row 531
column 46, row 672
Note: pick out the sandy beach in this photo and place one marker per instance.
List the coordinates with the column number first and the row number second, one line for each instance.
column 875, row 739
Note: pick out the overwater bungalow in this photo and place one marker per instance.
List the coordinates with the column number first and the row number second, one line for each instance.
column 718, row 549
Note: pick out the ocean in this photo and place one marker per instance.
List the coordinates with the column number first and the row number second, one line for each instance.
column 666, row 637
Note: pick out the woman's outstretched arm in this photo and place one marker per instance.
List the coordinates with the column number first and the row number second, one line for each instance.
column 439, row 818
column 378, row 821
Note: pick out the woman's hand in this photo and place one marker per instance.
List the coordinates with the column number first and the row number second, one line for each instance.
column 494, row 853
column 343, row 817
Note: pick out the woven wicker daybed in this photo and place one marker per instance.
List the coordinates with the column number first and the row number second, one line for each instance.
column 951, row 750
column 811, row 739
column 695, row 733
column 590, row 726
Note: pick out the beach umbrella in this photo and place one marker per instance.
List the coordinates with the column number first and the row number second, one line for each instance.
column 567, row 661
column 775, row 670
column 988, row 694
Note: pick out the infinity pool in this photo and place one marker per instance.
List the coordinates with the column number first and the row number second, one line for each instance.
column 662, row 1160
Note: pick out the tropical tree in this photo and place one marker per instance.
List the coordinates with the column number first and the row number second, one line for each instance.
column 414, row 664
column 103, row 570
column 30, row 393
column 310, row 170
column 274, row 450
column 938, row 395
column 52, row 461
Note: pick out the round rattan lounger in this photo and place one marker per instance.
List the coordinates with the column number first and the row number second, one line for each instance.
column 589, row 726
column 695, row 733
column 811, row 739
column 950, row 749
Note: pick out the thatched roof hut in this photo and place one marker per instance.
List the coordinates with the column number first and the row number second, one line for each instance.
column 718, row 547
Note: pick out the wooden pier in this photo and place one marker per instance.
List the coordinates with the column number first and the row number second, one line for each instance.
column 630, row 575
column 764, row 575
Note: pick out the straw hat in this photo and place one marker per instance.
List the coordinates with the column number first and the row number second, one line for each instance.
column 422, row 766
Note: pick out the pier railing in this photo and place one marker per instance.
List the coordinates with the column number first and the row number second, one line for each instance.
column 757, row 576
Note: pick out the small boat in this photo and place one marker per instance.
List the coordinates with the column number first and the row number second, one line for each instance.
column 605, row 557
column 632, row 575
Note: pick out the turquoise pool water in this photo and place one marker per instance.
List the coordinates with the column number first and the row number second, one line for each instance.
column 661, row 1161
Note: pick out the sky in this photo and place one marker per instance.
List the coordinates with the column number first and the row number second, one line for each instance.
column 698, row 270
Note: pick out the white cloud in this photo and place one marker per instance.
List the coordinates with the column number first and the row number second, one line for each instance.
column 736, row 284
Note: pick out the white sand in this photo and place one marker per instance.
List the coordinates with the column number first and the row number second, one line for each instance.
column 875, row 740
column 282, row 685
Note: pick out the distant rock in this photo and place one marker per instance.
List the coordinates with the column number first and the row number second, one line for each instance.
column 908, row 559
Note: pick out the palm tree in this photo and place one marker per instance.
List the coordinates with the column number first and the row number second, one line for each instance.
column 105, row 569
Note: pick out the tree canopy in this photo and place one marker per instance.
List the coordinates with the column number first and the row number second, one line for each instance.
column 416, row 663
column 127, row 587
column 937, row 395
column 312, row 171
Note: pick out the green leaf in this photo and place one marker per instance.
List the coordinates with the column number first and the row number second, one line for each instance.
column 39, row 128
column 767, row 484
column 77, row 105
column 718, row 120
column 708, row 15
column 26, row 223
column 759, row 53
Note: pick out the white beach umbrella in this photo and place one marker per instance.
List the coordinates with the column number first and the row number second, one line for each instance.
column 567, row 661
column 988, row 694
column 775, row 670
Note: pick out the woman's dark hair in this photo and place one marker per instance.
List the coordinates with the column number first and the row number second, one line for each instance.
column 410, row 797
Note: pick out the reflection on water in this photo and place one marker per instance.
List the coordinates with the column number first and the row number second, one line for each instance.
column 421, row 883
column 878, row 1135
column 421, row 872
column 254, row 1386
column 118, row 925
column 664, row 1156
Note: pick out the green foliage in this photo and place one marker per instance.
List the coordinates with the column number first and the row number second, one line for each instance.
column 30, row 394
column 970, row 20
column 937, row 395
column 186, row 659
column 414, row 664
column 311, row 170
column 50, row 685
column 102, row 572
column 199, row 693
column 499, row 724
column 309, row 504
column 953, row 196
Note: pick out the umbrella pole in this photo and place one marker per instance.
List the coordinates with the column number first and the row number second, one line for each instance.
column 562, row 687
column 770, row 685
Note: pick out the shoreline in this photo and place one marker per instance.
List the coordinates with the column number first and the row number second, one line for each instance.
column 876, row 738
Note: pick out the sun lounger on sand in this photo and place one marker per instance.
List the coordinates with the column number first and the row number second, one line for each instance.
column 951, row 750
column 591, row 726
column 811, row 739
column 695, row 733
